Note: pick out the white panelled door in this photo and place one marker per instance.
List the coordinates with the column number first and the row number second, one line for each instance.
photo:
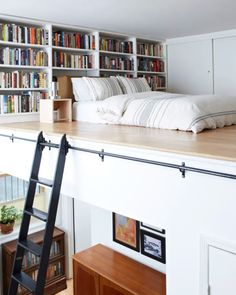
column 222, row 272
column 190, row 67
column 225, row 66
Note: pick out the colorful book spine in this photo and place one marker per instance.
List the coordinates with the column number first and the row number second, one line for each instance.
column 21, row 103
column 116, row 63
column 23, row 34
column 23, row 57
column 74, row 40
column 68, row 60
column 116, row 45
column 19, row 79
column 151, row 65
column 150, row 49
column 155, row 82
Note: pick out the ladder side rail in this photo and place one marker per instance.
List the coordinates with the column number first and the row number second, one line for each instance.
column 24, row 228
column 52, row 212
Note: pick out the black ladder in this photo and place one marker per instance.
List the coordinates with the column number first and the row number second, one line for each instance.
column 23, row 244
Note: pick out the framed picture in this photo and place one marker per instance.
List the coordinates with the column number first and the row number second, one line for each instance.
column 126, row 231
column 154, row 228
column 153, row 246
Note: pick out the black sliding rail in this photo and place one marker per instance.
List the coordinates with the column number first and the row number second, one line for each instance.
column 102, row 154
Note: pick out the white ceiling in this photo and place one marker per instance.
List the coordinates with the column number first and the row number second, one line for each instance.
column 150, row 18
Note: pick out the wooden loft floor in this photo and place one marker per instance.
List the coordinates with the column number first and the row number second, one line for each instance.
column 216, row 144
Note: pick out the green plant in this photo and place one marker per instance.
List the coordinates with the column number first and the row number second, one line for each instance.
column 9, row 214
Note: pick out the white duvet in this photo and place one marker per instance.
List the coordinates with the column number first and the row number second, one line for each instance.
column 169, row 111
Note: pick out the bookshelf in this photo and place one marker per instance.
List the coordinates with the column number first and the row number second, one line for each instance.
column 36, row 49
column 117, row 55
column 56, row 279
column 24, row 68
column 151, row 63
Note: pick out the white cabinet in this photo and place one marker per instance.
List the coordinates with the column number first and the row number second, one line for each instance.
column 225, row 66
column 222, row 270
column 190, row 67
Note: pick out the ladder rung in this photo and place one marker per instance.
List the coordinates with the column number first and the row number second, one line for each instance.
column 50, row 144
column 43, row 181
column 31, row 247
column 25, row 280
column 37, row 213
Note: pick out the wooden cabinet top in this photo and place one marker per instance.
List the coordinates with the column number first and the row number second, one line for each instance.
column 122, row 270
column 10, row 247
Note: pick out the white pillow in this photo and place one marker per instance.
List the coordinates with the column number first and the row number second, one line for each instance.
column 133, row 85
column 81, row 90
column 102, row 88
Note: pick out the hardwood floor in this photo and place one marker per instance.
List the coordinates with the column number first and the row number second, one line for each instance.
column 69, row 290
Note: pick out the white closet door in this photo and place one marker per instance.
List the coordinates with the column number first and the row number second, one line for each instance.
column 225, row 66
column 222, row 271
column 190, row 67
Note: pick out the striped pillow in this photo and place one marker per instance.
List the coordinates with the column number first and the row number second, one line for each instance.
column 101, row 88
column 132, row 85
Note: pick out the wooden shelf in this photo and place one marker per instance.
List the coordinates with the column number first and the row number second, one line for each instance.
column 52, row 110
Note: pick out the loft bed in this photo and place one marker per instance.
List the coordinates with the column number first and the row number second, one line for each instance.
column 180, row 181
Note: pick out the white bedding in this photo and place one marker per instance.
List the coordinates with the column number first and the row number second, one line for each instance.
column 169, row 111
column 87, row 111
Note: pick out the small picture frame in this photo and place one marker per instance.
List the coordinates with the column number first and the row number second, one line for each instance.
column 126, row 231
column 153, row 246
column 153, row 228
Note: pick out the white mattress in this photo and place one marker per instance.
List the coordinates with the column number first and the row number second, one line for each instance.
column 86, row 111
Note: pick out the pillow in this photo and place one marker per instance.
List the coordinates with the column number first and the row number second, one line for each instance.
column 133, row 85
column 81, row 90
column 102, row 88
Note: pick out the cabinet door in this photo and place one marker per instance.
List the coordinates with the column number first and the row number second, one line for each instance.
column 190, row 67
column 86, row 282
column 109, row 288
column 225, row 66
column 222, row 270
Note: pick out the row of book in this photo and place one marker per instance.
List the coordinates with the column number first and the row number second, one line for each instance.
column 116, row 63
column 127, row 75
column 68, row 60
column 155, row 82
column 52, row 271
column 151, row 65
column 116, row 45
column 23, row 57
column 31, row 259
column 150, row 49
column 23, row 34
column 21, row 103
column 19, row 79
column 74, row 40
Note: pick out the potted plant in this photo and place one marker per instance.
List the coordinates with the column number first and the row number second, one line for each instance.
column 8, row 217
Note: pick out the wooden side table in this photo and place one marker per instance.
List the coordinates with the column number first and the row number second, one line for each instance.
column 52, row 110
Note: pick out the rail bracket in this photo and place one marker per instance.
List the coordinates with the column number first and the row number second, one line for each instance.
column 101, row 155
column 182, row 169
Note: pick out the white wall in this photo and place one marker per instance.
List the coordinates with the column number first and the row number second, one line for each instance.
column 101, row 232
